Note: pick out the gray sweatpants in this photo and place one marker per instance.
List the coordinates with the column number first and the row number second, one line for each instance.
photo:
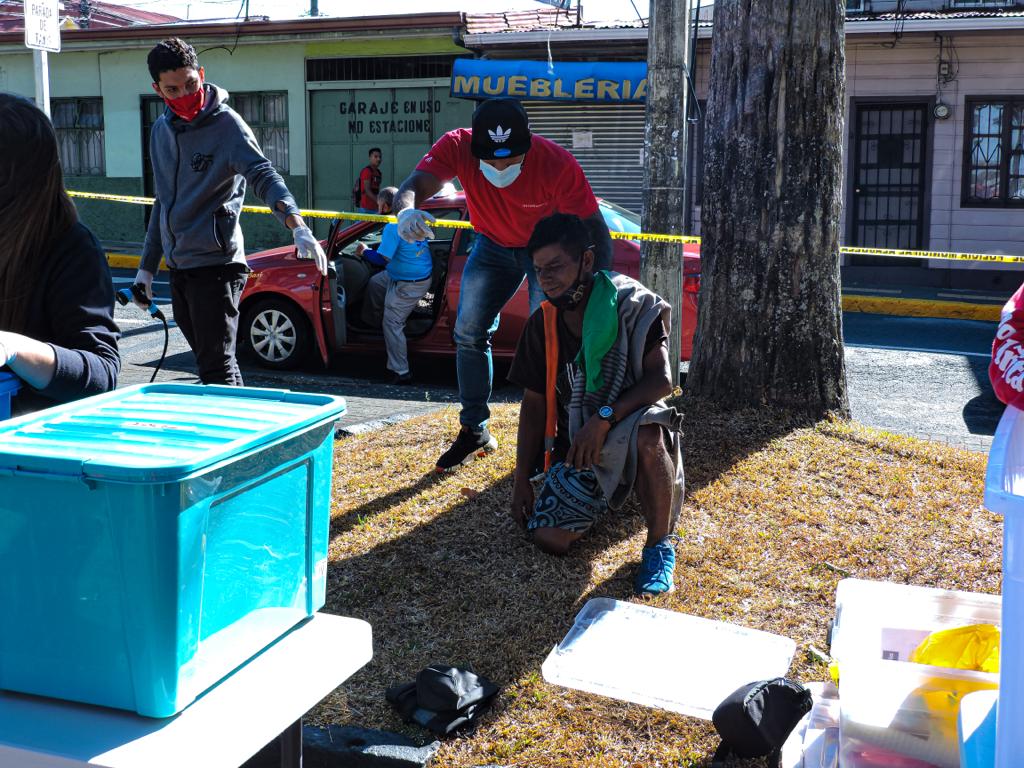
column 388, row 303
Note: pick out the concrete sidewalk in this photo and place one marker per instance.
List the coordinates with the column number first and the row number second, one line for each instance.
column 948, row 303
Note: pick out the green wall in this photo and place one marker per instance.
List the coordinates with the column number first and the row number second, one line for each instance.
column 121, row 79
column 113, row 223
column 122, row 225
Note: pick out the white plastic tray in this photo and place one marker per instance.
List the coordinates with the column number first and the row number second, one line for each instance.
column 661, row 658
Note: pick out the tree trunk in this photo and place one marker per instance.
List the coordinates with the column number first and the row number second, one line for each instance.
column 661, row 264
column 770, row 318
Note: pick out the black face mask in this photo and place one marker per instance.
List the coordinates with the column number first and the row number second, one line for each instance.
column 573, row 295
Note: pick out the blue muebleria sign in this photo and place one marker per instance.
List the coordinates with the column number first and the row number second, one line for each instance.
column 560, row 81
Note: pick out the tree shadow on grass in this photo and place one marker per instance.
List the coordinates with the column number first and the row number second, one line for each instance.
column 716, row 439
column 464, row 588
column 467, row 588
column 451, row 579
column 381, row 504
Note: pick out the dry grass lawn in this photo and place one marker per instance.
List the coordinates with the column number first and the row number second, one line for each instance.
column 776, row 512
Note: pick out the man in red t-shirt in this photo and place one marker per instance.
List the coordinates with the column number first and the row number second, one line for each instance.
column 512, row 180
column 369, row 183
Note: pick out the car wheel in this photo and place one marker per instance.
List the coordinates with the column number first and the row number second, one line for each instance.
column 276, row 334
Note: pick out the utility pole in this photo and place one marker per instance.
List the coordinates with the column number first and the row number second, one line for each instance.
column 661, row 264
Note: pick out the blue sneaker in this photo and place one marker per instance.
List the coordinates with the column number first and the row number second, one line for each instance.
column 656, row 566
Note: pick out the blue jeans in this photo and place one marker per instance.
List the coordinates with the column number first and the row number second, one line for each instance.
column 492, row 276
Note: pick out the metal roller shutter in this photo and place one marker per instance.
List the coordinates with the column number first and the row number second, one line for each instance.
column 613, row 162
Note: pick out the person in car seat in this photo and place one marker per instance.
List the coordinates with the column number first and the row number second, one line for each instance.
column 512, row 179
column 392, row 294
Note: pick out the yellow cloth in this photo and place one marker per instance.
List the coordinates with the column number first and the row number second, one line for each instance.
column 975, row 647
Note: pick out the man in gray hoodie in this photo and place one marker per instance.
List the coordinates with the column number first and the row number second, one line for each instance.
column 203, row 154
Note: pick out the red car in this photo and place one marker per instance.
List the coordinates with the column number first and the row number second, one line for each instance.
column 287, row 308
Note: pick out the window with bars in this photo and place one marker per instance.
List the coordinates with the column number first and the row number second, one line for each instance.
column 379, row 68
column 994, row 153
column 267, row 115
column 78, row 124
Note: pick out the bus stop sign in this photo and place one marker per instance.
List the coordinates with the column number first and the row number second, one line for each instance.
column 42, row 25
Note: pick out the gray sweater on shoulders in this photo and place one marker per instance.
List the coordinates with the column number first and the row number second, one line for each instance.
column 200, row 169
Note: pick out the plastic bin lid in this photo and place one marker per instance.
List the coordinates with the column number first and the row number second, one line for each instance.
column 661, row 658
column 156, row 432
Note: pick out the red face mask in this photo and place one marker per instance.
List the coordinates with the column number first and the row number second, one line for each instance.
column 187, row 107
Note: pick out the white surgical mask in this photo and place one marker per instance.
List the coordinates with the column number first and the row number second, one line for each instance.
column 500, row 179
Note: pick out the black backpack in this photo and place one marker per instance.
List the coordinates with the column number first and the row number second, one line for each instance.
column 756, row 719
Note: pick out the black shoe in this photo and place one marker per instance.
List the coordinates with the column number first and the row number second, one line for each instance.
column 468, row 446
column 400, row 379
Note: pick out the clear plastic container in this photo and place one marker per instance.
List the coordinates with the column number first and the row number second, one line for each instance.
column 906, row 709
column 814, row 742
column 878, row 620
column 893, row 711
column 663, row 659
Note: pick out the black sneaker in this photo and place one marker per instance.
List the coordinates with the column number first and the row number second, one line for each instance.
column 400, row 379
column 469, row 445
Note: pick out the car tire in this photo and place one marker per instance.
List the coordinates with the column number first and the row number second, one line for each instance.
column 276, row 334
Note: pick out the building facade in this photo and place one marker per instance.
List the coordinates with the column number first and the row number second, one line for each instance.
column 934, row 154
column 318, row 93
column 934, row 144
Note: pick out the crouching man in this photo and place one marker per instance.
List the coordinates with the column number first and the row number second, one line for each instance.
column 594, row 367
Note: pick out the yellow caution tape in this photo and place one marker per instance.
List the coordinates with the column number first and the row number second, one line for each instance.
column 641, row 236
column 315, row 214
column 650, row 237
column 995, row 257
column 306, row 214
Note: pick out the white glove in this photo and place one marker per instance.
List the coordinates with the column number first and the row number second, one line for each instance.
column 414, row 225
column 309, row 247
column 145, row 278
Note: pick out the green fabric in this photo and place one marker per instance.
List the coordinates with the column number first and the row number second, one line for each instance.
column 600, row 329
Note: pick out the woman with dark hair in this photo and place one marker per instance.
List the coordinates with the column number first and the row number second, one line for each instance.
column 57, row 331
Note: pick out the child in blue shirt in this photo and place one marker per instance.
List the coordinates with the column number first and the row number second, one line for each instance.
column 393, row 293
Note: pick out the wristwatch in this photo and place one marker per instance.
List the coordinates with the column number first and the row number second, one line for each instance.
column 605, row 412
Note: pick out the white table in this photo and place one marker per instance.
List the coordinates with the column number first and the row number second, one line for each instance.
column 222, row 729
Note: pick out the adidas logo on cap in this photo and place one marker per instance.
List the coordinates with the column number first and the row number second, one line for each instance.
column 498, row 136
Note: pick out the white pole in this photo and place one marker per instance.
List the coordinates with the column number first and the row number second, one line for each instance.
column 42, row 80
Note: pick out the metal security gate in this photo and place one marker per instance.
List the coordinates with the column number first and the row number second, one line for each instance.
column 889, row 177
column 607, row 140
column 347, row 122
column 152, row 108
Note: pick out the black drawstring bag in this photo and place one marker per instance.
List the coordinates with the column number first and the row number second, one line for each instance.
column 442, row 698
column 756, row 719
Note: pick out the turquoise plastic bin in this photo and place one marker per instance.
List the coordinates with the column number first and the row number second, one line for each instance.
column 155, row 538
column 9, row 387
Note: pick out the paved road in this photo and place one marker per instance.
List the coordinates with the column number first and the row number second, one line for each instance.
column 922, row 377
column 358, row 379
column 915, row 376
